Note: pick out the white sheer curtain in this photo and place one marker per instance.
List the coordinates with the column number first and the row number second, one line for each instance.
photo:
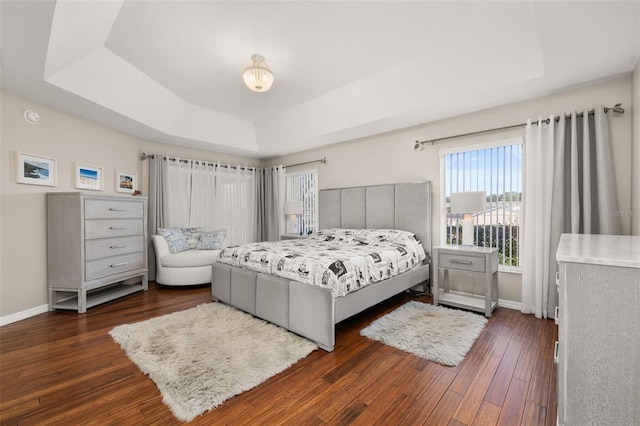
column 210, row 196
column 569, row 188
column 235, row 203
column 203, row 201
column 176, row 191
column 538, row 152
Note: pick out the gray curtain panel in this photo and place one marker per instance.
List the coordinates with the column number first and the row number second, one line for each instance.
column 155, row 206
column 577, row 199
column 583, row 184
column 270, row 201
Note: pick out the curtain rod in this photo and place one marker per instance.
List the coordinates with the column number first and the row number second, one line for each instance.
column 617, row 108
column 144, row 156
column 322, row 161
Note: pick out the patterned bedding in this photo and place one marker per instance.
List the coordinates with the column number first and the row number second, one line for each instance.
column 342, row 260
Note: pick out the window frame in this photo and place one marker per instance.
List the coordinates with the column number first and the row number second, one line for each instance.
column 314, row 172
column 517, row 140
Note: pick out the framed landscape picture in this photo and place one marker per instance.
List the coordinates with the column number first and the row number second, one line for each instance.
column 126, row 182
column 89, row 177
column 35, row 169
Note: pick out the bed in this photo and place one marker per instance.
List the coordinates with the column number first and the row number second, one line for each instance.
column 313, row 311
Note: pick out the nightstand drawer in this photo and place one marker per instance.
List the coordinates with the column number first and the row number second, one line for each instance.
column 461, row 261
column 290, row 236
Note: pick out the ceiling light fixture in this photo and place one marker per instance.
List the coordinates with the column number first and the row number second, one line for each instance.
column 258, row 77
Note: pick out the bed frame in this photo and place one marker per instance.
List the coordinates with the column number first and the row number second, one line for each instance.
column 312, row 311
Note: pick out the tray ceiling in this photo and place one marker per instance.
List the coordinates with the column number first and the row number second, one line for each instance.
column 170, row 71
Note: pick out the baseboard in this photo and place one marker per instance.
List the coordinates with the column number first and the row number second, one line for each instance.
column 19, row 316
column 502, row 303
column 510, row 304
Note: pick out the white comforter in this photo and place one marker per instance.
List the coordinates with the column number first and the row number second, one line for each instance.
column 342, row 260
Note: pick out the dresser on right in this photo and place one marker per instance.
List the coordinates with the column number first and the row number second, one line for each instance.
column 598, row 347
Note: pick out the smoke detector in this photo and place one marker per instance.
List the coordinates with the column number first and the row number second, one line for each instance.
column 31, row 116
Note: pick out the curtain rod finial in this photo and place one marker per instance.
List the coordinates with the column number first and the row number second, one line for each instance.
column 420, row 145
column 616, row 108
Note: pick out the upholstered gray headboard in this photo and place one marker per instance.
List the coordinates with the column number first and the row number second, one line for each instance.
column 405, row 206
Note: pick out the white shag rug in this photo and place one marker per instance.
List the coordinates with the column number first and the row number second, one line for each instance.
column 431, row 332
column 205, row 355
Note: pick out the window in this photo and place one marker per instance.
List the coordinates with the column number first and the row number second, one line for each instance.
column 495, row 168
column 302, row 186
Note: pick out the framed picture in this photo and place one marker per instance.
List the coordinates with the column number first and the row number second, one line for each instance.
column 89, row 177
column 35, row 169
column 126, row 182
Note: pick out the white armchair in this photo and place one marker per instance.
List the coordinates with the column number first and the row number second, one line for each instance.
column 189, row 267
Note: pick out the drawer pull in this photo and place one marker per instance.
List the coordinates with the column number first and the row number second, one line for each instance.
column 556, row 357
column 461, row 262
column 112, row 209
column 116, row 265
column 557, row 319
column 117, row 247
column 116, row 228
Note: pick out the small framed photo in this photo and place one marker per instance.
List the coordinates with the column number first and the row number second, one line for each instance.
column 89, row 177
column 35, row 169
column 126, row 182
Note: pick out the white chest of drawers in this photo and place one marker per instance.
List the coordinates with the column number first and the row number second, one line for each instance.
column 598, row 348
column 96, row 248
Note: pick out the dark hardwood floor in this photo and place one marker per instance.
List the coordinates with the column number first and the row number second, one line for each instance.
column 64, row 368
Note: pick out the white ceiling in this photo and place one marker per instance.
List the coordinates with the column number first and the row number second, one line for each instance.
column 170, row 71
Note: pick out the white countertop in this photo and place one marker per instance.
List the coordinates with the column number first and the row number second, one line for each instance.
column 613, row 250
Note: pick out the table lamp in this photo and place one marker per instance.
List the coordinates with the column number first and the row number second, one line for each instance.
column 292, row 208
column 468, row 203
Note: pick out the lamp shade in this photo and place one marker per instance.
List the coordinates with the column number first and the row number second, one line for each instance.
column 468, row 202
column 292, row 207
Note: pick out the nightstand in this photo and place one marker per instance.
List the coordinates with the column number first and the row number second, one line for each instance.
column 472, row 259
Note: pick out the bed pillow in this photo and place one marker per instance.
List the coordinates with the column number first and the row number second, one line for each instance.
column 406, row 240
column 359, row 236
column 211, row 240
column 336, row 234
column 175, row 239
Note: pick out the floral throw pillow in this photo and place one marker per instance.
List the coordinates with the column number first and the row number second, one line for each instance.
column 192, row 235
column 211, row 240
column 176, row 240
